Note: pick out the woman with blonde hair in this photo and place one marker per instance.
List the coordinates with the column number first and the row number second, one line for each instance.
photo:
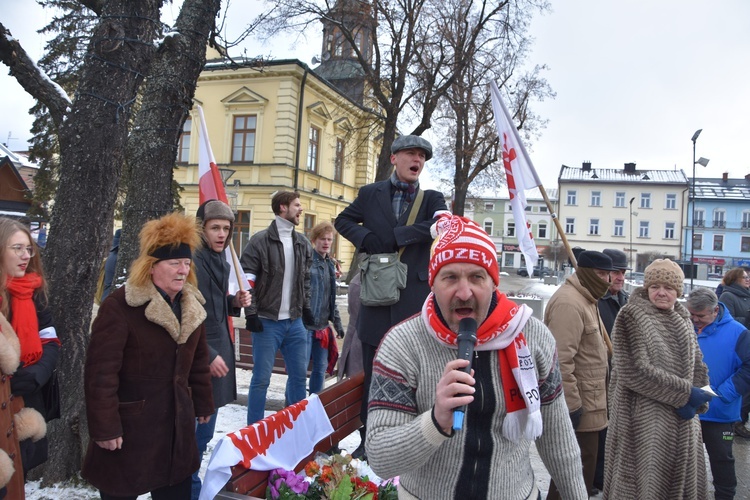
column 23, row 300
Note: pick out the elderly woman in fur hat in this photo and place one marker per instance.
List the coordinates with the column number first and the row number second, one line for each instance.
column 147, row 376
column 654, row 447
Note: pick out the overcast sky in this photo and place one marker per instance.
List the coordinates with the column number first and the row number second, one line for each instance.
column 634, row 80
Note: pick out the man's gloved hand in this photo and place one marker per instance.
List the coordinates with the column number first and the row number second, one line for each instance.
column 686, row 412
column 254, row 324
column 575, row 417
column 698, row 397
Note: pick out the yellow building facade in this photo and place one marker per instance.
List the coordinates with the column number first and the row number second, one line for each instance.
column 275, row 127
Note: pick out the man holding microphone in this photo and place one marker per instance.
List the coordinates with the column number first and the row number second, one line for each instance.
column 512, row 395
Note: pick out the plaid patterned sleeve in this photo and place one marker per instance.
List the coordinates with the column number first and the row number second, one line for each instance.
column 551, row 387
column 391, row 391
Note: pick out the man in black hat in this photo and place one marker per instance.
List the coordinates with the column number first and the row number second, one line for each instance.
column 616, row 297
column 376, row 222
column 583, row 349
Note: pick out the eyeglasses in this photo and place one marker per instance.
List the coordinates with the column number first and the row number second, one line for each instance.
column 746, row 277
column 20, row 250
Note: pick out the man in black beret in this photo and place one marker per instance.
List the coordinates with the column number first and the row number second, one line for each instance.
column 583, row 349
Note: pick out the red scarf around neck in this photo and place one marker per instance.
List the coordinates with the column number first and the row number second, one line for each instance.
column 23, row 316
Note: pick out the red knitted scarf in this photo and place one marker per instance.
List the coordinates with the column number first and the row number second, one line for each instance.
column 23, row 316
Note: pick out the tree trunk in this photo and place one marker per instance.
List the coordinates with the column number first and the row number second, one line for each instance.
column 167, row 98
column 92, row 150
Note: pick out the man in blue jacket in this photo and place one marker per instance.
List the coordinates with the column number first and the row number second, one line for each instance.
column 725, row 344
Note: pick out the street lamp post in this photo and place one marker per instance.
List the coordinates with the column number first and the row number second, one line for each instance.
column 630, row 257
column 691, row 213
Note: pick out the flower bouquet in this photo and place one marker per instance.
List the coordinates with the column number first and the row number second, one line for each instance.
column 327, row 478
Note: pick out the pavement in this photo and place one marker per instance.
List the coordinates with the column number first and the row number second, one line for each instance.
column 510, row 284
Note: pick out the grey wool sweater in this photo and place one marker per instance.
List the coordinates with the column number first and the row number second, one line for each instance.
column 652, row 452
column 478, row 461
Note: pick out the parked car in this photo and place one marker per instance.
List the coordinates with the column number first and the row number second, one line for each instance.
column 635, row 277
column 544, row 271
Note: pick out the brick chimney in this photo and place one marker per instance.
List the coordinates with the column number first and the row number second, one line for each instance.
column 586, row 167
column 725, row 177
column 630, row 168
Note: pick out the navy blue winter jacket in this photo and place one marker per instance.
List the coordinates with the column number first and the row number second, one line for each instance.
column 725, row 344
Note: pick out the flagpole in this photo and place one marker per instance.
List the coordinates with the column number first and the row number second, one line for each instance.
column 560, row 231
column 236, row 267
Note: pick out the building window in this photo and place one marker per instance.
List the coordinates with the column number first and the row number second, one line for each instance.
column 643, row 229
column 489, row 207
column 719, row 218
column 488, row 226
column 619, row 228
column 594, row 226
column 241, row 232
column 571, row 199
column 543, row 209
column 596, row 198
column 645, row 200
column 745, row 220
column 719, row 242
column 620, row 199
column 745, row 244
column 541, row 231
column 528, row 208
column 243, row 138
column 509, row 258
column 313, row 150
column 309, row 224
column 511, row 228
column 669, row 231
column 338, row 163
column 570, row 225
column 699, row 217
column 183, row 147
column 671, row 202
column 698, row 241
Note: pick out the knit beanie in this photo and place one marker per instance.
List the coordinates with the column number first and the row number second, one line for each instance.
column 664, row 272
column 458, row 239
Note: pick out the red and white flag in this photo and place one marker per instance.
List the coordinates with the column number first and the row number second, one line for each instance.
column 279, row 441
column 520, row 175
column 211, row 187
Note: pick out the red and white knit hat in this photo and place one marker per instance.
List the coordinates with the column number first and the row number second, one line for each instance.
column 458, row 239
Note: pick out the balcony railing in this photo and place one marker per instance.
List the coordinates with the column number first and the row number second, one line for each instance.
column 720, row 223
column 746, row 225
column 700, row 223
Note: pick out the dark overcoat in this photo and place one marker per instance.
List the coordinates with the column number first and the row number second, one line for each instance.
column 146, row 379
column 372, row 212
column 212, row 271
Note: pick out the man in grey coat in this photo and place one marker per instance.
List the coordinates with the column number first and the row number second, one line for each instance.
column 212, row 271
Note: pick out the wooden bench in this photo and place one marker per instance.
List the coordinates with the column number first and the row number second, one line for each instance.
column 342, row 402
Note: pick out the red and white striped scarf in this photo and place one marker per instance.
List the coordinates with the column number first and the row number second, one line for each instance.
column 501, row 332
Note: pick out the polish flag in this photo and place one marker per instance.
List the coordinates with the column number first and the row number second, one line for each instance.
column 211, row 187
column 520, row 175
column 279, row 441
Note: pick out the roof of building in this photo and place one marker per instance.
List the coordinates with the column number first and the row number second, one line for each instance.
column 719, row 189
column 621, row 176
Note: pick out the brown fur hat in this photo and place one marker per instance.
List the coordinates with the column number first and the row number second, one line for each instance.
column 172, row 230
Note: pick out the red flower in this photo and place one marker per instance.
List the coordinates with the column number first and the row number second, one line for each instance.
column 312, row 468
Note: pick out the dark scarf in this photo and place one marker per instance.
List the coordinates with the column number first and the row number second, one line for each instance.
column 596, row 286
column 403, row 195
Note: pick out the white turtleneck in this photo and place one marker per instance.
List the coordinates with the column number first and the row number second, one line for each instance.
column 285, row 235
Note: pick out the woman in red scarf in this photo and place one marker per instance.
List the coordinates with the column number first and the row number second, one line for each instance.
column 23, row 300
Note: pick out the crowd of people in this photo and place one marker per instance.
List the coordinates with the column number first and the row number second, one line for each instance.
column 620, row 392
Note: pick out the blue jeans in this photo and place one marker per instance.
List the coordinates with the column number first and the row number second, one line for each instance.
column 293, row 339
column 203, row 434
column 319, row 358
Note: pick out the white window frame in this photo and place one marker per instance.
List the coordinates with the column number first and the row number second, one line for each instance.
column 620, row 199
column 594, row 227
column 669, row 230
column 571, row 197
column 644, row 228
column 645, row 200
column 570, row 225
column 619, row 224
column 670, row 203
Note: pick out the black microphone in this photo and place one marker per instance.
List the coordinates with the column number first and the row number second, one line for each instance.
column 467, row 338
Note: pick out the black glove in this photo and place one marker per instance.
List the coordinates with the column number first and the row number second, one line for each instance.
column 254, row 324
column 371, row 244
column 307, row 317
column 698, row 397
column 23, row 382
column 575, row 417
